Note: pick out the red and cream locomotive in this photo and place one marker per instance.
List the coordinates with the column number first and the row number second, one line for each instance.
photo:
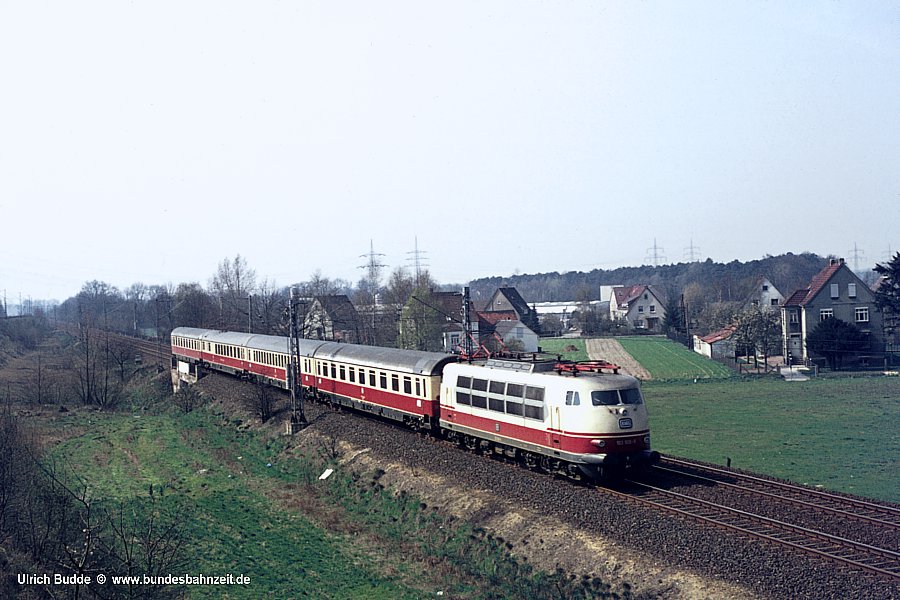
column 559, row 417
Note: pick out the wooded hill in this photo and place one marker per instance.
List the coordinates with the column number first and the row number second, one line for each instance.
column 719, row 282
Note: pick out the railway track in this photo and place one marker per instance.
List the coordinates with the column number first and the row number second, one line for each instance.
column 882, row 515
column 881, row 560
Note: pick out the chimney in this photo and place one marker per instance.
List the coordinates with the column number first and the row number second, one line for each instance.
column 840, row 261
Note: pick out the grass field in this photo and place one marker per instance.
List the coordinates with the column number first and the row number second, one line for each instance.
column 667, row 360
column 839, row 433
column 559, row 345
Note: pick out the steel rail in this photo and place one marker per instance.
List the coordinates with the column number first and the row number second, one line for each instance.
column 887, row 562
column 891, row 512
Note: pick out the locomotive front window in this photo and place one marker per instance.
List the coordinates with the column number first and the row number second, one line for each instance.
column 631, row 396
column 616, row 397
column 604, row 397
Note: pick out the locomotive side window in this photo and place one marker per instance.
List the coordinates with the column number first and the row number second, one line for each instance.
column 497, row 387
column 514, row 407
column 463, row 398
column 495, row 404
column 516, row 390
column 479, row 401
column 573, row 399
column 479, row 384
column 463, row 381
column 534, row 393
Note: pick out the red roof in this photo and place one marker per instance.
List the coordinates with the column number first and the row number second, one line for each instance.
column 718, row 336
column 626, row 294
column 803, row 297
column 501, row 315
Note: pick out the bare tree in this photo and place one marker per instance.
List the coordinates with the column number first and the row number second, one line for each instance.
column 264, row 402
column 233, row 285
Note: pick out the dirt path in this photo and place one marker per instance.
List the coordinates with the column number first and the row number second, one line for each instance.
column 612, row 351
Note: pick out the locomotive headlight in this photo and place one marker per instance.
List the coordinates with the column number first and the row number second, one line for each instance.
column 598, row 443
column 647, row 440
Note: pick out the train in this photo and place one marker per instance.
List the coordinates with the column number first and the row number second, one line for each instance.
column 571, row 419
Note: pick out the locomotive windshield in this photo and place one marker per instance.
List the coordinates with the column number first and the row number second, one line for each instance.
column 616, row 397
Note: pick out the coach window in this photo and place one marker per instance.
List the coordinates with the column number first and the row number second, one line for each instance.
column 333, row 371
column 352, row 373
column 343, row 372
column 418, row 387
column 371, row 378
column 407, row 385
column 382, row 380
column 395, row 382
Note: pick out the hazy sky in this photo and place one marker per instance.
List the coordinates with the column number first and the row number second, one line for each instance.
column 146, row 141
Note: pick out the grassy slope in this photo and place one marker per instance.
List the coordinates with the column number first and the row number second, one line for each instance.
column 667, row 360
column 233, row 524
column 839, row 433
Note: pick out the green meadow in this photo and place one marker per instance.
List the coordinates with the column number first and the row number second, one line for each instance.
column 839, row 433
column 667, row 360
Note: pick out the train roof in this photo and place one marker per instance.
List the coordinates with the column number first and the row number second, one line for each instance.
column 406, row 361
column 416, row 362
column 603, row 380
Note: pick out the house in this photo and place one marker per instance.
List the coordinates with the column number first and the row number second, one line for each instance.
column 718, row 344
column 332, row 318
column 638, row 306
column 764, row 295
column 835, row 292
column 508, row 299
column 516, row 336
column 453, row 331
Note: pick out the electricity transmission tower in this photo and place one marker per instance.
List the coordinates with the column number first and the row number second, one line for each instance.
column 692, row 252
column 417, row 258
column 655, row 254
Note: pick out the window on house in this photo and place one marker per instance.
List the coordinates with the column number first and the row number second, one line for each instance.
column 851, row 290
column 774, row 301
column 640, row 309
column 794, row 318
column 835, row 290
column 825, row 313
column 765, row 288
column 862, row 314
column 653, row 308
